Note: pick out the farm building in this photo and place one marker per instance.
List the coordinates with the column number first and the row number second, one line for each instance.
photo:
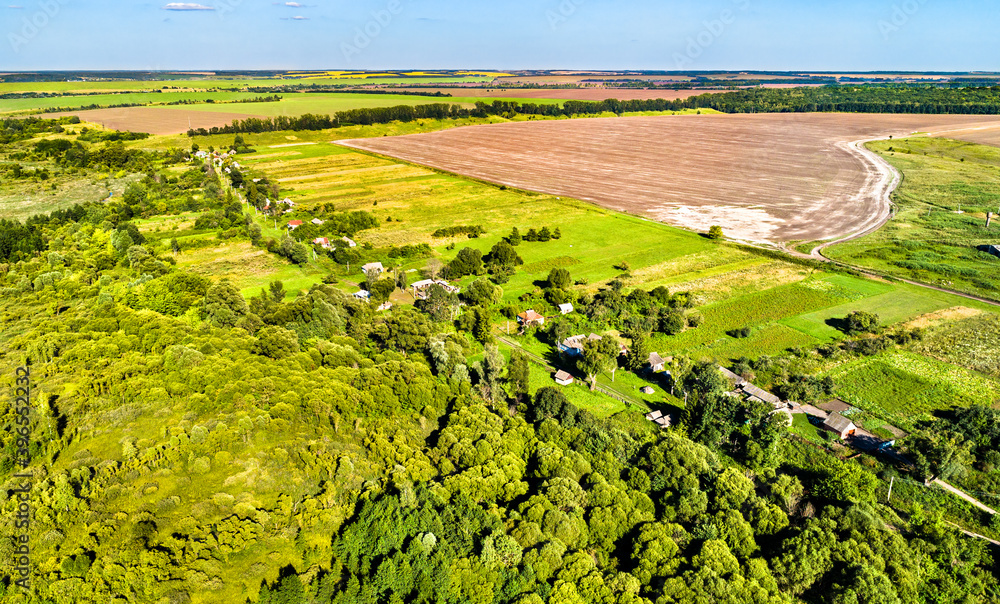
column 373, row 269
column 294, row 225
column 349, row 242
column 422, row 288
column 572, row 346
column 840, row 425
column 322, row 242
column 656, row 363
column 993, row 250
column 733, row 378
column 760, row 395
column 362, row 295
column 530, row 317
column 566, row 308
column 660, row 419
column 563, row 378
column 317, row 221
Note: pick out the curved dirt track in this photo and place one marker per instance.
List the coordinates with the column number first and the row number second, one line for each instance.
column 768, row 178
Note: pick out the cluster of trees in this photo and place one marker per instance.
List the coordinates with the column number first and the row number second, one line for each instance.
column 472, row 231
column 542, row 235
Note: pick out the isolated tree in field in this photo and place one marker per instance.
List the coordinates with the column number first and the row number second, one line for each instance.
column 402, row 279
column 557, row 234
column 175, row 247
column 503, row 256
column 544, row 234
column 715, row 232
column 468, row 262
column 861, row 322
column 515, row 237
column 559, row 278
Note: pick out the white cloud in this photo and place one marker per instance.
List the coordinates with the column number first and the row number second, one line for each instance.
column 186, row 6
column 300, row 18
column 294, row 5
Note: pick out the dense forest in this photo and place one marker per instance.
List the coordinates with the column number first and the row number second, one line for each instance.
column 192, row 445
column 897, row 98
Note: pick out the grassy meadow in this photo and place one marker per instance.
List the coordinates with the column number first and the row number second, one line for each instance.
column 928, row 239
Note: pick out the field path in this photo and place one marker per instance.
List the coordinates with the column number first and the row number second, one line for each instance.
column 882, row 179
column 979, row 504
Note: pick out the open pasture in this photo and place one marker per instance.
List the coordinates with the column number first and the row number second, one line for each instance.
column 773, row 178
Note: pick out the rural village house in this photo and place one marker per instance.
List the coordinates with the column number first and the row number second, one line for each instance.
column 563, row 378
column 294, row 224
column 530, row 317
column 322, row 242
column 656, row 363
column 362, row 295
column 349, row 242
column 566, row 308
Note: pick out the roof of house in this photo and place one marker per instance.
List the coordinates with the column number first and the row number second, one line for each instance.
column 839, row 423
column 566, row 307
column 372, row 266
column 653, row 416
column 563, row 376
column 322, row 240
column 835, row 406
column 362, row 294
column 423, row 284
column 317, row 221
column 655, row 359
column 530, row 315
column 295, row 223
column 761, row 394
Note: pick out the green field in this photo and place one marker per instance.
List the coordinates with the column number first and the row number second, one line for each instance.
column 928, row 239
column 903, row 387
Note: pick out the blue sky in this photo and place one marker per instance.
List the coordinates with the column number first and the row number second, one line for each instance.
column 518, row 34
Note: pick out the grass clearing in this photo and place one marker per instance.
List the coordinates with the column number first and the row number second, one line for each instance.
column 928, row 240
column 903, row 387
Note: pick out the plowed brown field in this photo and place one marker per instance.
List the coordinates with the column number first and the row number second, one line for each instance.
column 154, row 120
column 762, row 177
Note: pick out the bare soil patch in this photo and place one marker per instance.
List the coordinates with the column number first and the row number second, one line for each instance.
column 947, row 315
column 762, row 177
column 154, row 120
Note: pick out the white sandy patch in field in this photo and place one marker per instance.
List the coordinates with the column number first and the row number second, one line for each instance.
column 291, row 145
column 748, row 224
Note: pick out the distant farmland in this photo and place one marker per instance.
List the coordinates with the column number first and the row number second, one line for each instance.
column 763, row 177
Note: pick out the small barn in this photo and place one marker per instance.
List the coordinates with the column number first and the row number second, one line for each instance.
column 840, row 425
column 565, row 308
column 660, row 419
column 373, row 269
column 656, row 363
column 563, row 378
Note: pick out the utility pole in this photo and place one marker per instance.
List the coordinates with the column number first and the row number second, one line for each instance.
column 889, row 498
